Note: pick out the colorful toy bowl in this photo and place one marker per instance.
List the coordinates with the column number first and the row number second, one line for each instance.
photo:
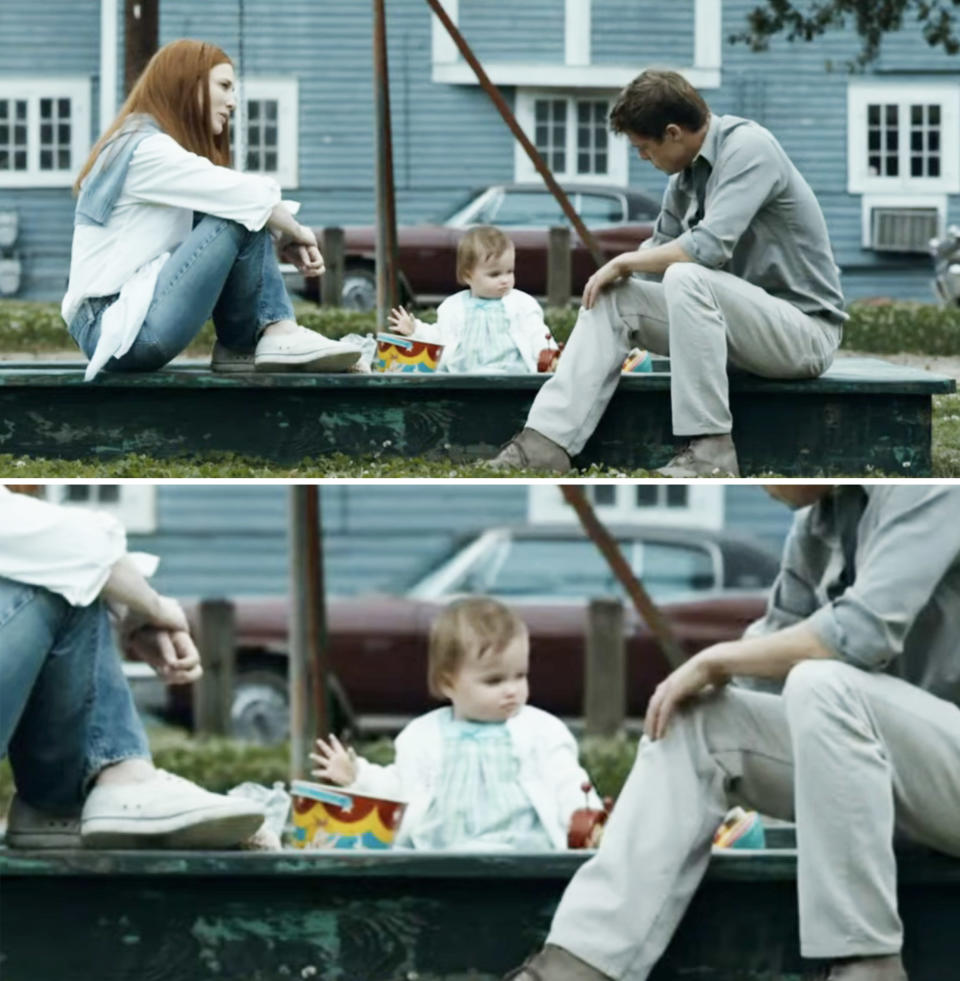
column 740, row 829
column 637, row 361
column 331, row 817
column 396, row 353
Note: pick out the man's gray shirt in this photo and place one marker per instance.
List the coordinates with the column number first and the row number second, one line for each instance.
column 760, row 218
column 874, row 571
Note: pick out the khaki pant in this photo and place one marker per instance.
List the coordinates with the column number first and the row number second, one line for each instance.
column 702, row 319
column 851, row 756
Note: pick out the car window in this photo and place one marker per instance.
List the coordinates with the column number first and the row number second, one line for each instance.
column 669, row 568
column 601, row 209
column 529, row 208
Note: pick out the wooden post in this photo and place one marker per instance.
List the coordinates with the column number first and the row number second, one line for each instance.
column 558, row 267
column 141, row 37
column 213, row 693
column 307, row 644
column 386, row 208
column 331, row 283
column 605, row 688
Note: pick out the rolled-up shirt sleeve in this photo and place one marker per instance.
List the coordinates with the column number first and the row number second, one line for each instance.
column 69, row 551
column 750, row 174
column 668, row 225
column 915, row 541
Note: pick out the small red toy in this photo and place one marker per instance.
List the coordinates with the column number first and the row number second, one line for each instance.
column 586, row 824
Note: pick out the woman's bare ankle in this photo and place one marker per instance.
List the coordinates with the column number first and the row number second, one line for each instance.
column 279, row 327
column 133, row 770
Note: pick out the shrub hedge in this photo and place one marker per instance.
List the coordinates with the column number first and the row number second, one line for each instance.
column 877, row 328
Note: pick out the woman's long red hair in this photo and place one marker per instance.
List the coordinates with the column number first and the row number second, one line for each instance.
column 167, row 89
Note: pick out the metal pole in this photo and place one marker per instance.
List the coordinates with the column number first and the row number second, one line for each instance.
column 307, row 633
column 508, row 117
column 655, row 620
column 386, row 210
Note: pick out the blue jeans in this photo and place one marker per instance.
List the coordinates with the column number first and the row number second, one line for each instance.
column 220, row 270
column 66, row 710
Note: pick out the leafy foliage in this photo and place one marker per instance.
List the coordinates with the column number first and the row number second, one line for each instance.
column 870, row 18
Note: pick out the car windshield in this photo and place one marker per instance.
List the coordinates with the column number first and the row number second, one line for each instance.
column 529, row 208
column 574, row 569
column 448, row 214
column 601, row 209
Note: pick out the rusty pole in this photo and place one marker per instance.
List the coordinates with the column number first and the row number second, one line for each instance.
column 655, row 620
column 307, row 633
column 508, row 117
column 386, row 208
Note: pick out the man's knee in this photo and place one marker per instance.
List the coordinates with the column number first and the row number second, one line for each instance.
column 814, row 688
column 683, row 276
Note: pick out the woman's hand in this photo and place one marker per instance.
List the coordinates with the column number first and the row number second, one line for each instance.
column 608, row 273
column 401, row 322
column 335, row 762
column 171, row 653
column 300, row 247
column 683, row 683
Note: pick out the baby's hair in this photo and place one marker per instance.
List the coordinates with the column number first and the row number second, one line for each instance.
column 480, row 244
column 475, row 626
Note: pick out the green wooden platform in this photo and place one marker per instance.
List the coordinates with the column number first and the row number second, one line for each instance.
column 161, row 916
column 862, row 415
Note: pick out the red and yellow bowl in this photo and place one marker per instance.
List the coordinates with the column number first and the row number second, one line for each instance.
column 331, row 817
column 396, row 353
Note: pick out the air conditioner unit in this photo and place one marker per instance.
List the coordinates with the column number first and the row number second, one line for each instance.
column 903, row 229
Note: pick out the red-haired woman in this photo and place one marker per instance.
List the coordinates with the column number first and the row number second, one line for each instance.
column 167, row 235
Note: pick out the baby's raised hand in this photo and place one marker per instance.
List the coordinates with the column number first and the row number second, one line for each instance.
column 401, row 322
column 335, row 762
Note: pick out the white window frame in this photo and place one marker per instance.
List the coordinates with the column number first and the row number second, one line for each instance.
column 617, row 145
column 286, row 91
column 576, row 70
column 136, row 507
column 74, row 87
column 704, row 508
column 860, row 95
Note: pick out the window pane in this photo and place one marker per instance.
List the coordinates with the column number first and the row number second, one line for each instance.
column 583, row 113
column 916, row 166
column 541, row 110
column 253, row 136
column 46, row 160
column 270, row 160
column 916, row 140
column 20, row 160
column 583, row 163
column 63, row 108
column 873, row 163
column 270, row 135
column 63, row 133
column 893, row 166
column 253, row 109
column 600, row 163
column 63, row 159
column 21, row 109
column 677, row 497
column 46, row 108
column 933, row 115
column 646, row 496
column 46, row 133
column 271, row 108
column 77, row 494
column 253, row 160
column 4, row 132
column 108, row 493
column 873, row 115
column 873, row 139
column 560, row 111
column 916, row 115
column 604, row 494
column 891, row 140
column 933, row 140
column 20, row 135
column 933, row 167
column 4, row 159
column 892, row 113
column 560, row 161
column 4, row 108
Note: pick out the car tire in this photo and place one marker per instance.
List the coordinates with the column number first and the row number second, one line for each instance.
column 260, row 711
column 359, row 288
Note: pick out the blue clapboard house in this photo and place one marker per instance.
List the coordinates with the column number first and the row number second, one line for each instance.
column 881, row 149
column 222, row 540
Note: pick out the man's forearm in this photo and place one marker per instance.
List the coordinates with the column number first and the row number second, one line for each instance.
column 769, row 656
column 655, row 260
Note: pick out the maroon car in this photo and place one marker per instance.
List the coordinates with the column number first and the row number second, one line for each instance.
column 619, row 218
column 710, row 585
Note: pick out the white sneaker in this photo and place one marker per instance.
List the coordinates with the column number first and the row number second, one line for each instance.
column 29, row 828
column 303, row 350
column 229, row 362
column 166, row 811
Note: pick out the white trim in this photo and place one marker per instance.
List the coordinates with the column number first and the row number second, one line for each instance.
column 704, row 509
column 443, row 49
column 108, row 63
column 617, row 145
column 563, row 76
column 576, row 32
column 861, row 94
column 870, row 201
column 32, row 89
column 577, row 72
column 136, row 507
column 708, row 34
column 285, row 90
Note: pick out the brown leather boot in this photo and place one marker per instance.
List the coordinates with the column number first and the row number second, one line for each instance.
column 887, row 968
column 555, row 964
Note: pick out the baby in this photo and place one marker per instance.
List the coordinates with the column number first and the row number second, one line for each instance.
column 487, row 771
column 490, row 326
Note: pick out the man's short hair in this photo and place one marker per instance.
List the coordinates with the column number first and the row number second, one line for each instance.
column 654, row 100
column 480, row 244
column 470, row 627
